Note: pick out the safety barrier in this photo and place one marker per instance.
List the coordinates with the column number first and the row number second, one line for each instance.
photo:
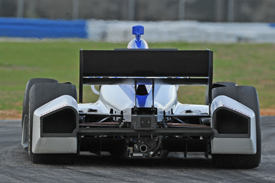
column 42, row 28
column 120, row 31
column 187, row 31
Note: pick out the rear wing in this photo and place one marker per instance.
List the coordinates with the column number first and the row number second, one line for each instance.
column 146, row 67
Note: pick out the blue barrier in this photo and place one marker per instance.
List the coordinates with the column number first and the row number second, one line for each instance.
column 272, row 25
column 42, row 28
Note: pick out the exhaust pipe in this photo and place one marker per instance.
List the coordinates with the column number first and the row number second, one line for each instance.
column 143, row 148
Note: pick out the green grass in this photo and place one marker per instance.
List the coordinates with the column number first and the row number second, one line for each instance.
column 245, row 64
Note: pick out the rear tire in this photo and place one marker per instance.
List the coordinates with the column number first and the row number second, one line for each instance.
column 216, row 85
column 25, row 111
column 246, row 95
column 30, row 83
column 223, row 84
column 39, row 95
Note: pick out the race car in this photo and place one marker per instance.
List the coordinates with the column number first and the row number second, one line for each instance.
column 137, row 114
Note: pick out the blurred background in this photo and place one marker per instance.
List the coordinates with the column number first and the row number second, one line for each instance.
column 165, row 20
column 42, row 38
column 143, row 10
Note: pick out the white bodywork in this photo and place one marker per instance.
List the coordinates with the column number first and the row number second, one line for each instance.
column 122, row 98
column 53, row 144
column 234, row 145
column 132, row 44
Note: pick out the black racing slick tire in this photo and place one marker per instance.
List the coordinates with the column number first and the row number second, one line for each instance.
column 223, row 84
column 216, row 85
column 25, row 111
column 39, row 95
column 246, row 95
column 30, row 83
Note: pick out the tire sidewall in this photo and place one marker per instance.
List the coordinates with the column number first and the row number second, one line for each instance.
column 247, row 95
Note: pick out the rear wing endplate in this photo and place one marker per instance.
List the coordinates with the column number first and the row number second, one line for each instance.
column 145, row 67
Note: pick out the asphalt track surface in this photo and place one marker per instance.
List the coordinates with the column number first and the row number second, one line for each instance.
column 15, row 165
